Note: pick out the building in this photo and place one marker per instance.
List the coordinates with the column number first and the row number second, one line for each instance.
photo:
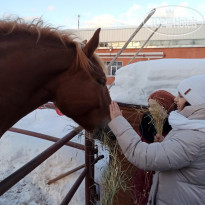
column 168, row 42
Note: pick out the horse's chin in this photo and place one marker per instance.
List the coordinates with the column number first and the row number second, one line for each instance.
column 90, row 127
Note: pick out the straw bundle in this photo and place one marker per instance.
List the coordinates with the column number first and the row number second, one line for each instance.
column 159, row 115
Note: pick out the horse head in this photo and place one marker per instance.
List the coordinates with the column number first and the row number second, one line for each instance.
column 81, row 92
column 41, row 64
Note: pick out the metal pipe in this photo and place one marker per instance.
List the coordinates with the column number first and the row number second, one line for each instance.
column 143, row 107
column 71, row 144
column 144, row 44
column 87, row 163
column 131, row 37
column 90, row 189
column 65, row 174
column 46, row 137
column 11, row 180
column 72, row 171
column 72, row 191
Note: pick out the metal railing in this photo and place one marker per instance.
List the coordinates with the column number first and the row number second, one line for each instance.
column 87, row 173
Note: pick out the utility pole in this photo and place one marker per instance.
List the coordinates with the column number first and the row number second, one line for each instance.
column 78, row 21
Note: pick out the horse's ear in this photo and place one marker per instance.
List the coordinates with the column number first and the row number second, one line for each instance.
column 92, row 44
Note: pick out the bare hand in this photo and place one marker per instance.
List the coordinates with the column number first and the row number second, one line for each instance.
column 114, row 110
column 158, row 138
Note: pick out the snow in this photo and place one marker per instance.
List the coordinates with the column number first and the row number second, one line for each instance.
column 135, row 82
column 17, row 149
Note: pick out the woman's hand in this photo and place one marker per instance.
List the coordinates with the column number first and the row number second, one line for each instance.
column 114, row 110
column 158, row 138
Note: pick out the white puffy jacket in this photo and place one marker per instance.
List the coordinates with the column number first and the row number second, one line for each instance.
column 179, row 161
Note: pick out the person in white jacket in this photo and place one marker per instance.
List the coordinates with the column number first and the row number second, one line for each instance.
column 179, row 160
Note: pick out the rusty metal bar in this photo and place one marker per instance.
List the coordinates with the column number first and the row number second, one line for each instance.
column 46, row 137
column 65, row 174
column 132, row 105
column 144, row 44
column 72, row 191
column 128, row 41
column 74, row 188
column 90, row 189
column 132, row 36
column 73, row 170
column 11, row 180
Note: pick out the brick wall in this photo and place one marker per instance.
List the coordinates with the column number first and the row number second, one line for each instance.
column 189, row 52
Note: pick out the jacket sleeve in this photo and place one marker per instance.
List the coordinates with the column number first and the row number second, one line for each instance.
column 167, row 155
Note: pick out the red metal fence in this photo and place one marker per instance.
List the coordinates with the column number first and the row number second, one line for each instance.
column 91, row 196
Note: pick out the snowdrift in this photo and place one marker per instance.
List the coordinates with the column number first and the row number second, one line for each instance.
column 135, row 82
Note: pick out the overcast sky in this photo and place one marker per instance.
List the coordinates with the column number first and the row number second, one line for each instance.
column 93, row 13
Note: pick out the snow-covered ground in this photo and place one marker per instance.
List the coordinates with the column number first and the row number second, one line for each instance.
column 135, row 82
column 17, row 149
column 133, row 85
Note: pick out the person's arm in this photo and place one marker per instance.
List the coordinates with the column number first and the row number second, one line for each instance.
column 169, row 154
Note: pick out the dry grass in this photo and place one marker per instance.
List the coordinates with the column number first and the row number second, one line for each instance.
column 159, row 114
column 114, row 178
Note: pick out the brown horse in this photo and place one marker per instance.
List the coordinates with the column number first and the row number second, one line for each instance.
column 40, row 64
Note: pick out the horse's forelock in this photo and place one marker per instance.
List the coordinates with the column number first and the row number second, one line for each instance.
column 101, row 63
column 85, row 63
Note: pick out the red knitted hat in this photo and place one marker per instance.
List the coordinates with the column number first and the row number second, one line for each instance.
column 165, row 99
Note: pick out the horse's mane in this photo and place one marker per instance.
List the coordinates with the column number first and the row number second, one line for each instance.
column 37, row 29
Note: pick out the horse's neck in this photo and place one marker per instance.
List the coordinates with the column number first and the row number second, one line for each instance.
column 13, row 110
column 28, row 78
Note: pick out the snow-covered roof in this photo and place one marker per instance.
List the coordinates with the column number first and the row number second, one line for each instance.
column 164, row 33
column 135, row 82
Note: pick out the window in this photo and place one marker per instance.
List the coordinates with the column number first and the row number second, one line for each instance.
column 115, row 66
column 103, row 44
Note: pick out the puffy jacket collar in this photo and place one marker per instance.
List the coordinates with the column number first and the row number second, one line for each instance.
column 194, row 112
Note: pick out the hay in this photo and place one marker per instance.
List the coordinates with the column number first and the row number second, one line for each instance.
column 114, row 178
column 159, row 115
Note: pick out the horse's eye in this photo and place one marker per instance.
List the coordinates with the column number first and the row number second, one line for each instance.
column 101, row 81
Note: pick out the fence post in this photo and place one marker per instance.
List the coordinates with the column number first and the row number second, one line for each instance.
column 90, row 189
